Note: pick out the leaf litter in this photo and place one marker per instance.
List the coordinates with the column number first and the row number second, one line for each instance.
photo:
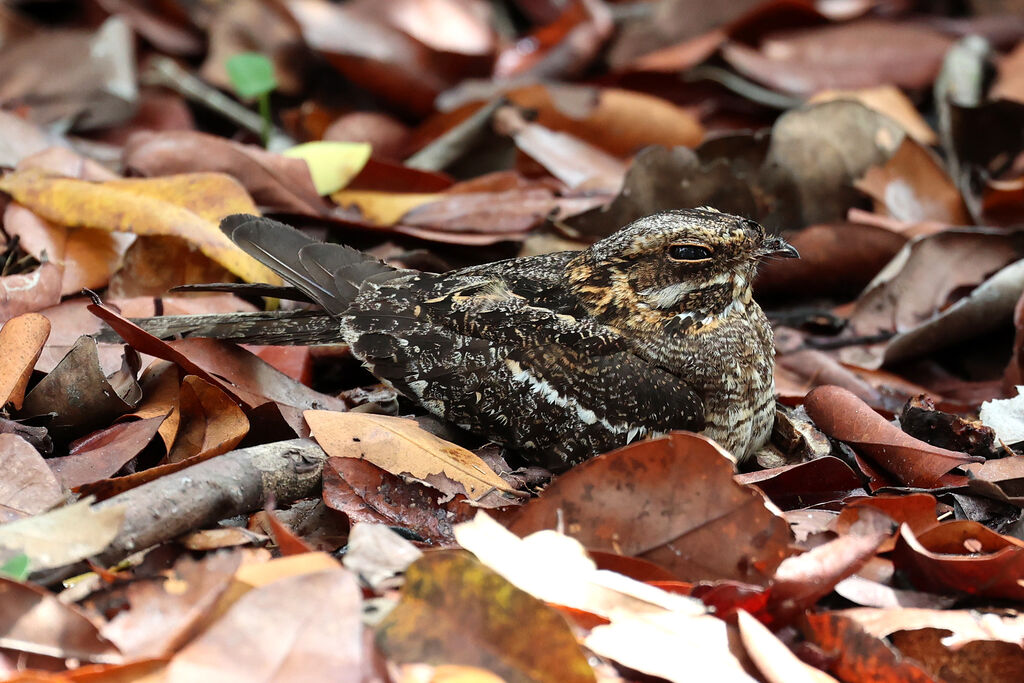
column 877, row 537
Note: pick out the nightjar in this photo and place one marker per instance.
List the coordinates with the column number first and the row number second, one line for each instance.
column 563, row 356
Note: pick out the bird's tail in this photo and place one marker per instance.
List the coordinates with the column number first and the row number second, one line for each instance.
column 330, row 274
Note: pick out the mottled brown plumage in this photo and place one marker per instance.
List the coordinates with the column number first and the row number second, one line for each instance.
column 562, row 356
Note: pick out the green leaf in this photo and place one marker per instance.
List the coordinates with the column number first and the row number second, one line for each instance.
column 333, row 165
column 16, row 567
column 252, row 74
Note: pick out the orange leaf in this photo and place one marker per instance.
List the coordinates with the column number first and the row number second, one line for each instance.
column 21, row 341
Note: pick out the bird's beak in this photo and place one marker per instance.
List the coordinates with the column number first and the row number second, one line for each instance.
column 776, row 246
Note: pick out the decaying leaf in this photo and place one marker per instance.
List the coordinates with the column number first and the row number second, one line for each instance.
column 455, row 610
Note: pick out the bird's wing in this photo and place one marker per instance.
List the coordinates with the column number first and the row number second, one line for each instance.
column 557, row 387
column 330, row 274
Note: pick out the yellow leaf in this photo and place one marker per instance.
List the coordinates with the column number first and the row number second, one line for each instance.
column 189, row 206
column 384, row 208
column 333, row 165
column 401, row 447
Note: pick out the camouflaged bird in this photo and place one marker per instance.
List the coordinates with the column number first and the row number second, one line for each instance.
column 563, row 356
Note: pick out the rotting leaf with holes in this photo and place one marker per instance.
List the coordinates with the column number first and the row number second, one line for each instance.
column 912, row 462
column 367, row 493
column 402, row 447
column 671, row 501
column 456, row 610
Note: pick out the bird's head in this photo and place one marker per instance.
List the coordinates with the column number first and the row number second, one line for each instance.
column 691, row 261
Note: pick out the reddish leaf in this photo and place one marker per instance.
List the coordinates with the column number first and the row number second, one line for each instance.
column 962, row 556
column 804, row 484
column 843, row 416
column 671, row 501
column 858, row 656
column 103, row 453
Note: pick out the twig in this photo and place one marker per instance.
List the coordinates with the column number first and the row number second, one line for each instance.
column 235, row 483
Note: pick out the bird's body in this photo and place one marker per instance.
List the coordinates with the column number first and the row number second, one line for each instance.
column 563, row 356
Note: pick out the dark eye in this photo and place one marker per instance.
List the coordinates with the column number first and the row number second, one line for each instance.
column 688, row 252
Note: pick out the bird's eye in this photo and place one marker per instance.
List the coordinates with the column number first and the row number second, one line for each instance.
column 688, row 252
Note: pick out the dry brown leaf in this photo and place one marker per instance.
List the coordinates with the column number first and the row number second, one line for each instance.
column 28, row 486
column 913, row 187
column 34, row 620
column 402, row 447
column 889, row 100
column 305, row 627
column 670, row 500
column 211, row 422
column 188, row 206
column 21, row 341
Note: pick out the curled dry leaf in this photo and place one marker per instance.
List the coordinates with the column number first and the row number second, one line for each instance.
column 376, row 553
column 841, row 415
column 670, row 500
column 188, row 206
column 35, row 621
column 964, row 626
column 621, row 122
column 962, row 556
column 825, row 147
column 402, row 447
column 566, row 157
column 800, row 581
column 456, row 610
column 28, row 292
column 28, row 487
column 78, row 394
column 889, row 100
column 86, row 256
column 803, row 484
column 21, row 341
column 919, row 281
column 103, row 453
column 211, row 422
column 557, row 569
column 983, row 310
